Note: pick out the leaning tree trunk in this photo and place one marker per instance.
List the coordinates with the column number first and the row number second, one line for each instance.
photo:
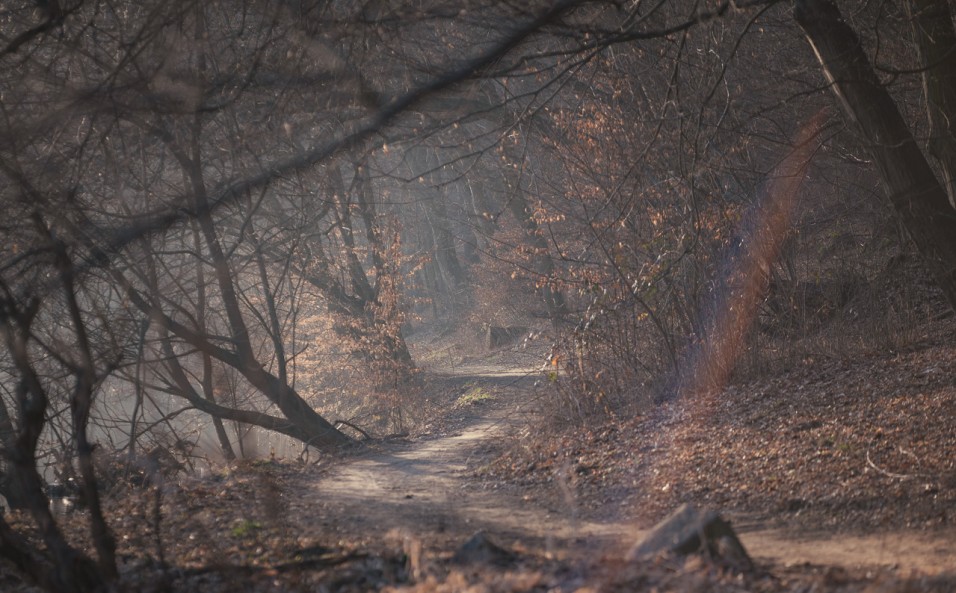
column 242, row 357
column 936, row 40
column 920, row 201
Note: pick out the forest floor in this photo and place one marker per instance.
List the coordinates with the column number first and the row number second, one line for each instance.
column 838, row 474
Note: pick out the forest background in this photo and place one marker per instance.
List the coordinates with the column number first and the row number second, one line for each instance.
column 226, row 221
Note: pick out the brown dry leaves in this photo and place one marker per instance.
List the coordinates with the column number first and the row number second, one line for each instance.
column 846, row 445
column 832, row 444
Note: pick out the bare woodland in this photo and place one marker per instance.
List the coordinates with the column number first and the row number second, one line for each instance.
column 232, row 228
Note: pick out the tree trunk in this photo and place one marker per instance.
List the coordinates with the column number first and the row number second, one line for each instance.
column 424, row 164
column 542, row 264
column 446, row 255
column 207, row 380
column 10, row 486
column 72, row 570
column 301, row 421
column 292, row 406
column 362, row 298
column 936, row 40
column 920, row 201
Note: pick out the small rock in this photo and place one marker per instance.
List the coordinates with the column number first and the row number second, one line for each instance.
column 479, row 549
column 688, row 531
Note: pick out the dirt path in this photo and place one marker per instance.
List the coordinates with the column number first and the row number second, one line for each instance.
column 907, row 551
column 419, row 489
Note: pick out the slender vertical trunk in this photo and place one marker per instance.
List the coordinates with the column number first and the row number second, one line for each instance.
column 81, row 403
column 207, row 383
column 424, row 163
column 377, row 333
column 73, row 571
column 542, row 263
column 445, row 253
column 10, row 486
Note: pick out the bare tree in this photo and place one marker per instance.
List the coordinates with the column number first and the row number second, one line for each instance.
column 183, row 180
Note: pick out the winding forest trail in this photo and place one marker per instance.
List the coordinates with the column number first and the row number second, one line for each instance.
column 420, row 489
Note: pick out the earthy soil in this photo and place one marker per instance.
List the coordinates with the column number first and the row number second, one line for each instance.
column 837, row 514
column 839, row 476
column 423, row 488
column 439, row 489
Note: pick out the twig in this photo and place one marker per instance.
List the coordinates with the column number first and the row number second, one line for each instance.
column 886, row 473
column 367, row 436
